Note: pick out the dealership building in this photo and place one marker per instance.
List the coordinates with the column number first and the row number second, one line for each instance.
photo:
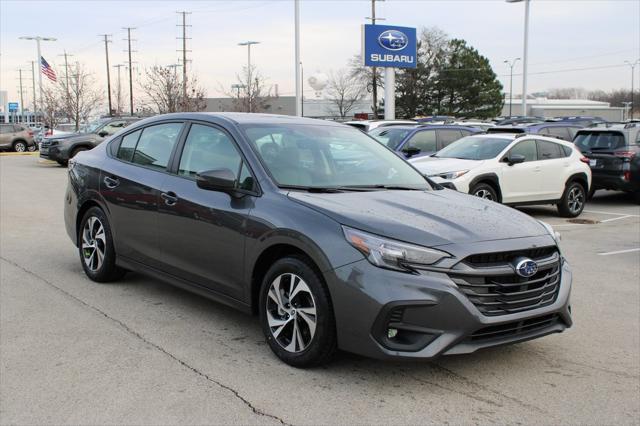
column 548, row 108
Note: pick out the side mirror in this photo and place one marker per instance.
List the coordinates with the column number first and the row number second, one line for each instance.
column 103, row 133
column 222, row 180
column 514, row 159
column 411, row 151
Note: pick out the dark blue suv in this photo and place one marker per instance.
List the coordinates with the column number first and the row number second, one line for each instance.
column 414, row 141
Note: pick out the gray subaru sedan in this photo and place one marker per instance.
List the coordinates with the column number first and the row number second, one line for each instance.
column 329, row 237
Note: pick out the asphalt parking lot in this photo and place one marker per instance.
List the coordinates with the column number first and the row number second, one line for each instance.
column 142, row 352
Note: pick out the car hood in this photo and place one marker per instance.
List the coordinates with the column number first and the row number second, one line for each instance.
column 75, row 137
column 427, row 218
column 433, row 165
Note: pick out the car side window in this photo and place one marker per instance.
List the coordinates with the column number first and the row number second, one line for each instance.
column 6, row 129
column 558, row 132
column 156, row 144
column 572, row 132
column 128, row 146
column 549, row 150
column 527, row 149
column 448, row 136
column 208, row 148
column 114, row 127
column 567, row 151
column 425, row 141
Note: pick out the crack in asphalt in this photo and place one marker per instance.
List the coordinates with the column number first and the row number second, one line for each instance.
column 134, row 333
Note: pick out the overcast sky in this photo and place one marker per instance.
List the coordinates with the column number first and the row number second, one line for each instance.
column 573, row 43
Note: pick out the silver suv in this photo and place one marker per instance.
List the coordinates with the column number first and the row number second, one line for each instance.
column 16, row 137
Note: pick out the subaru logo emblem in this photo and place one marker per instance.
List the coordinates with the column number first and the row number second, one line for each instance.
column 393, row 40
column 525, row 267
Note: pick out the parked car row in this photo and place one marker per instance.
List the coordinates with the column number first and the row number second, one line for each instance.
column 16, row 137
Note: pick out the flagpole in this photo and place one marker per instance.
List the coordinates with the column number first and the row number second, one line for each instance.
column 39, row 72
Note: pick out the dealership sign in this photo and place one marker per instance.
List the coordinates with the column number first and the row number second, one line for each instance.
column 13, row 106
column 389, row 46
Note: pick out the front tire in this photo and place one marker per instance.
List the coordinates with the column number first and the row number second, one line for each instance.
column 484, row 191
column 296, row 313
column 95, row 246
column 19, row 146
column 573, row 200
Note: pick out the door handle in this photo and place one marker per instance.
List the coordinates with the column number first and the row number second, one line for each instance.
column 111, row 182
column 170, row 198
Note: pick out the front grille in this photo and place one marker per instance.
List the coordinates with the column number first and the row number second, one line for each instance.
column 515, row 328
column 45, row 143
column 499, row 291
column 504, row 257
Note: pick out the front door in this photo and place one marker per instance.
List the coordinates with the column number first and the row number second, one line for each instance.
column 520, row 182
column 202, row 232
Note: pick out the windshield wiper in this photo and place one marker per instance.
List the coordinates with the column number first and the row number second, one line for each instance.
column 374, row 187
column 316, row 189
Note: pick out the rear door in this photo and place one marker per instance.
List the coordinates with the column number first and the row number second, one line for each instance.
column 553, row 169
column 521, row 182
column 202, row 232
column 130, row 184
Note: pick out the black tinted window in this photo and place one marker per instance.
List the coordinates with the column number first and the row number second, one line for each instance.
column 447, row 136
column 527, row 149
column 603, row 141
column 425, row 141
column 155, row 145
column 558, row 132
column 567, row 150
column 128, row 146
column 549, row 150
column 208, row 148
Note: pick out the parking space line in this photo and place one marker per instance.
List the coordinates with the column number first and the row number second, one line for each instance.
column 613, row 214
column 617, row 218
column 619, row 252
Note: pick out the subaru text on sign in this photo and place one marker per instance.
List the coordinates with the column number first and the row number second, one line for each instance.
column 389, row 46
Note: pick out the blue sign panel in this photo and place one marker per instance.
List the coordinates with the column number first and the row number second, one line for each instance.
column 13, row 106
column 389, row 46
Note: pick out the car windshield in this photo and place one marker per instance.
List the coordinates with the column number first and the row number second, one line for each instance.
column 389, row 137
column 93, row 126
column 603, row 141
column 321, row 156
column 474, row 148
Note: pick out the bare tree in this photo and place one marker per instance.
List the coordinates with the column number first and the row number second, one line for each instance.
column 81, row 97
column 344, row 91
column 164, row 91
column 253, row 96
column 364, row 76
column 52, row 105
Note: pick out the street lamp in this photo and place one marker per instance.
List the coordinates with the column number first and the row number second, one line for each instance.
column 511, row 65
column 248, row 44
column 525, row 61
column 38, row 39
column 633, row 68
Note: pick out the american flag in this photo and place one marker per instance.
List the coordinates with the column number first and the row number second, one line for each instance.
column 47, row 70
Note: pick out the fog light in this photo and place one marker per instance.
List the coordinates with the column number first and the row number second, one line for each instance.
column 391, row 333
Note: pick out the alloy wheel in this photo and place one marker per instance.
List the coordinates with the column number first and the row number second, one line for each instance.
column 20, row 147
column 291, row 312
column 94, row 243
column 484, row 193
column 575, row 200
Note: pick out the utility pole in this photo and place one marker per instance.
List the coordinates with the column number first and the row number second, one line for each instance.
column 128, row 40
column 66, row 68
column 374, row 87
column 106, row 52
column 633, row 70
column 249, row 81
column 511, row 65
column 119, row 91
column 38, row 39
column 184, row 54
column 21, row 93
column 33, row 83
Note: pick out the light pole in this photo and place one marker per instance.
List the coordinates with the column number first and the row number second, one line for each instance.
column 511, row 65
column 525, row 61
column 633, row 70
column 38, row 39
column 248, row 44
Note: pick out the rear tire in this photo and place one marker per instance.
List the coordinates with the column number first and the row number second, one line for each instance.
column 484, row 191
column 573, row 200
column 296, row 313
column 96, row 249
column 62, row 163
column 32, row 148
column 19, row 146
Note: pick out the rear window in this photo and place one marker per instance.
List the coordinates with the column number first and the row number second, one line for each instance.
column 599, row 141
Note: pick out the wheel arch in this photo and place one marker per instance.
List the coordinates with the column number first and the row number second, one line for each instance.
column 581, row 178
column 83, row 207
column 490, row 179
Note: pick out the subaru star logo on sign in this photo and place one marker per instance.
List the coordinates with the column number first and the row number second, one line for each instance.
column 525, row 267
column 389, row 46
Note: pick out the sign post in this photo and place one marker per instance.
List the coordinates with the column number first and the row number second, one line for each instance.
column 389, row 47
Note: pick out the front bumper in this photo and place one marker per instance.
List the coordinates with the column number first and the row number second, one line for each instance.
column 460, row 184
column 440, row 319
column 53, row 153
column 616, row 182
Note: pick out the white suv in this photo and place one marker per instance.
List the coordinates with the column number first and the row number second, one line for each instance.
column 513, row 169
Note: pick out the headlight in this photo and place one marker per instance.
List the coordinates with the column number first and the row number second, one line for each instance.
column 555, row 234
column 452, row 175
column 391, row 254
column 54, row 142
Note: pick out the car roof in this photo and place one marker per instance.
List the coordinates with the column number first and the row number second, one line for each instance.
column 243, row 118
